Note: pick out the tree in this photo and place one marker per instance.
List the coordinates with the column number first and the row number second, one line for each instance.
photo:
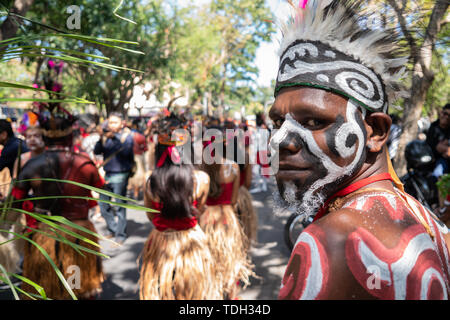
column 111, row 88
column 421, row 31
column 242, row 26
column 216, row 49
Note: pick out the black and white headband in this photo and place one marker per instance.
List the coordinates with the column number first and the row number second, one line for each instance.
column 316, row 64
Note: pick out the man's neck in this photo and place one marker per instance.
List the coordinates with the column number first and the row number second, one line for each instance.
column 370, row 169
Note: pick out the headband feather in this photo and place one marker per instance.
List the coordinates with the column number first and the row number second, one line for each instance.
column 324, row 41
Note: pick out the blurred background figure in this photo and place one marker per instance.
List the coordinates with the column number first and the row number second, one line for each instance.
column 137, row 181
column 11, row 147
column 176, row 260
column 394, row 136
column 116, row 146
column 438, row 137
column 226, row 236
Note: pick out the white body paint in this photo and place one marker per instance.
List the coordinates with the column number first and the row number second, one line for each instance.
column 335, row 172
column 314, row 279
column 401, row 269
column 362, row 200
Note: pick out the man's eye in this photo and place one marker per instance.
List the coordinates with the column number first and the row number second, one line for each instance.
column 313, row 123
column 278, row 123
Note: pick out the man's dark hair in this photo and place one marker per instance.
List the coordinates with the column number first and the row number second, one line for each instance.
column 447, row 106
column 6, row 126
column 116, row 114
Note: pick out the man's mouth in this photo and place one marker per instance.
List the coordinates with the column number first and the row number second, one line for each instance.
column 291, row 167
column 288, row 171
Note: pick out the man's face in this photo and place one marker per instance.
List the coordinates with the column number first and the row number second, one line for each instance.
column 320, row 140
column 33, row 139
column 444, row 118
column 114, row 124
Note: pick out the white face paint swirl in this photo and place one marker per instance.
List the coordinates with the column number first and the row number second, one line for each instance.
column 312, row 198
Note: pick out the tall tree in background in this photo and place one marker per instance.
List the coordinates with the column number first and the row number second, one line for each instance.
column 243, row 25
column 420, row 23
column 111, row 88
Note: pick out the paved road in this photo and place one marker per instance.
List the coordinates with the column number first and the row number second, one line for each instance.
column 270, row 255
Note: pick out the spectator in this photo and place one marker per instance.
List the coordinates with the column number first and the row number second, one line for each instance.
column 11, row 146
column 116, row 146
column 438, row 138
column 35, row 143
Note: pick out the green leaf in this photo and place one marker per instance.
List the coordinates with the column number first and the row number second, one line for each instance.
column 97, row 190
column 20, row 49
column 5, row 84
column 115, row 10
column 41, row 100
column 123, row 205
column 61, row 228
column 60, row 238
column 8, row 281
column 76, row 60
column 55, row 268
column 38, row 288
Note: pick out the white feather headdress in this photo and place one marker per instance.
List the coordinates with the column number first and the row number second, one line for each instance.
column 322, row 35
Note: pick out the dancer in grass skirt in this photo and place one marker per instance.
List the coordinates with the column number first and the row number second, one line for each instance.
column 177, row 263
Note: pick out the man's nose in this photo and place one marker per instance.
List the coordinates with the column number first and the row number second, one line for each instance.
column 291, row 144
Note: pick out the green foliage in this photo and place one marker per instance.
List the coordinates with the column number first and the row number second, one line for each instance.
column 439, row 93
column 444, row 185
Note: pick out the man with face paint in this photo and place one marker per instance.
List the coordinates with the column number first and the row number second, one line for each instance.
column 369, row 239
column 34, row 142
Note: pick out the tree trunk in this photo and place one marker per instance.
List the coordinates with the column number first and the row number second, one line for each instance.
column 422, row 78
column 411, row 116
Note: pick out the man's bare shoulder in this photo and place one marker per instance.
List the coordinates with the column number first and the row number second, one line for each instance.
column 384, row 215
column 377, row 242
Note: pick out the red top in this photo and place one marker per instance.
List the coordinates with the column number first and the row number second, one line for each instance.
column 162, row 224
column 352, row 188
column 225, row 196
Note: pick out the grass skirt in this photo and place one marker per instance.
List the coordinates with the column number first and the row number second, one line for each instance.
column 10, row 252
column 38, row 269
column 178, row 265
column 9, row 255
column 138, row 179
column 228, row 245
column 247, row 215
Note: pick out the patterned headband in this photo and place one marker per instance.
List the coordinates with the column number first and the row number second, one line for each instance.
column 316, row 64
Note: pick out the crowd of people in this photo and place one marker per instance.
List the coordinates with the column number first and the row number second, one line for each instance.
column 203, row 219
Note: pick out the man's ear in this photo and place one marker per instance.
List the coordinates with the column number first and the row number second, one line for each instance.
column 378, row 125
